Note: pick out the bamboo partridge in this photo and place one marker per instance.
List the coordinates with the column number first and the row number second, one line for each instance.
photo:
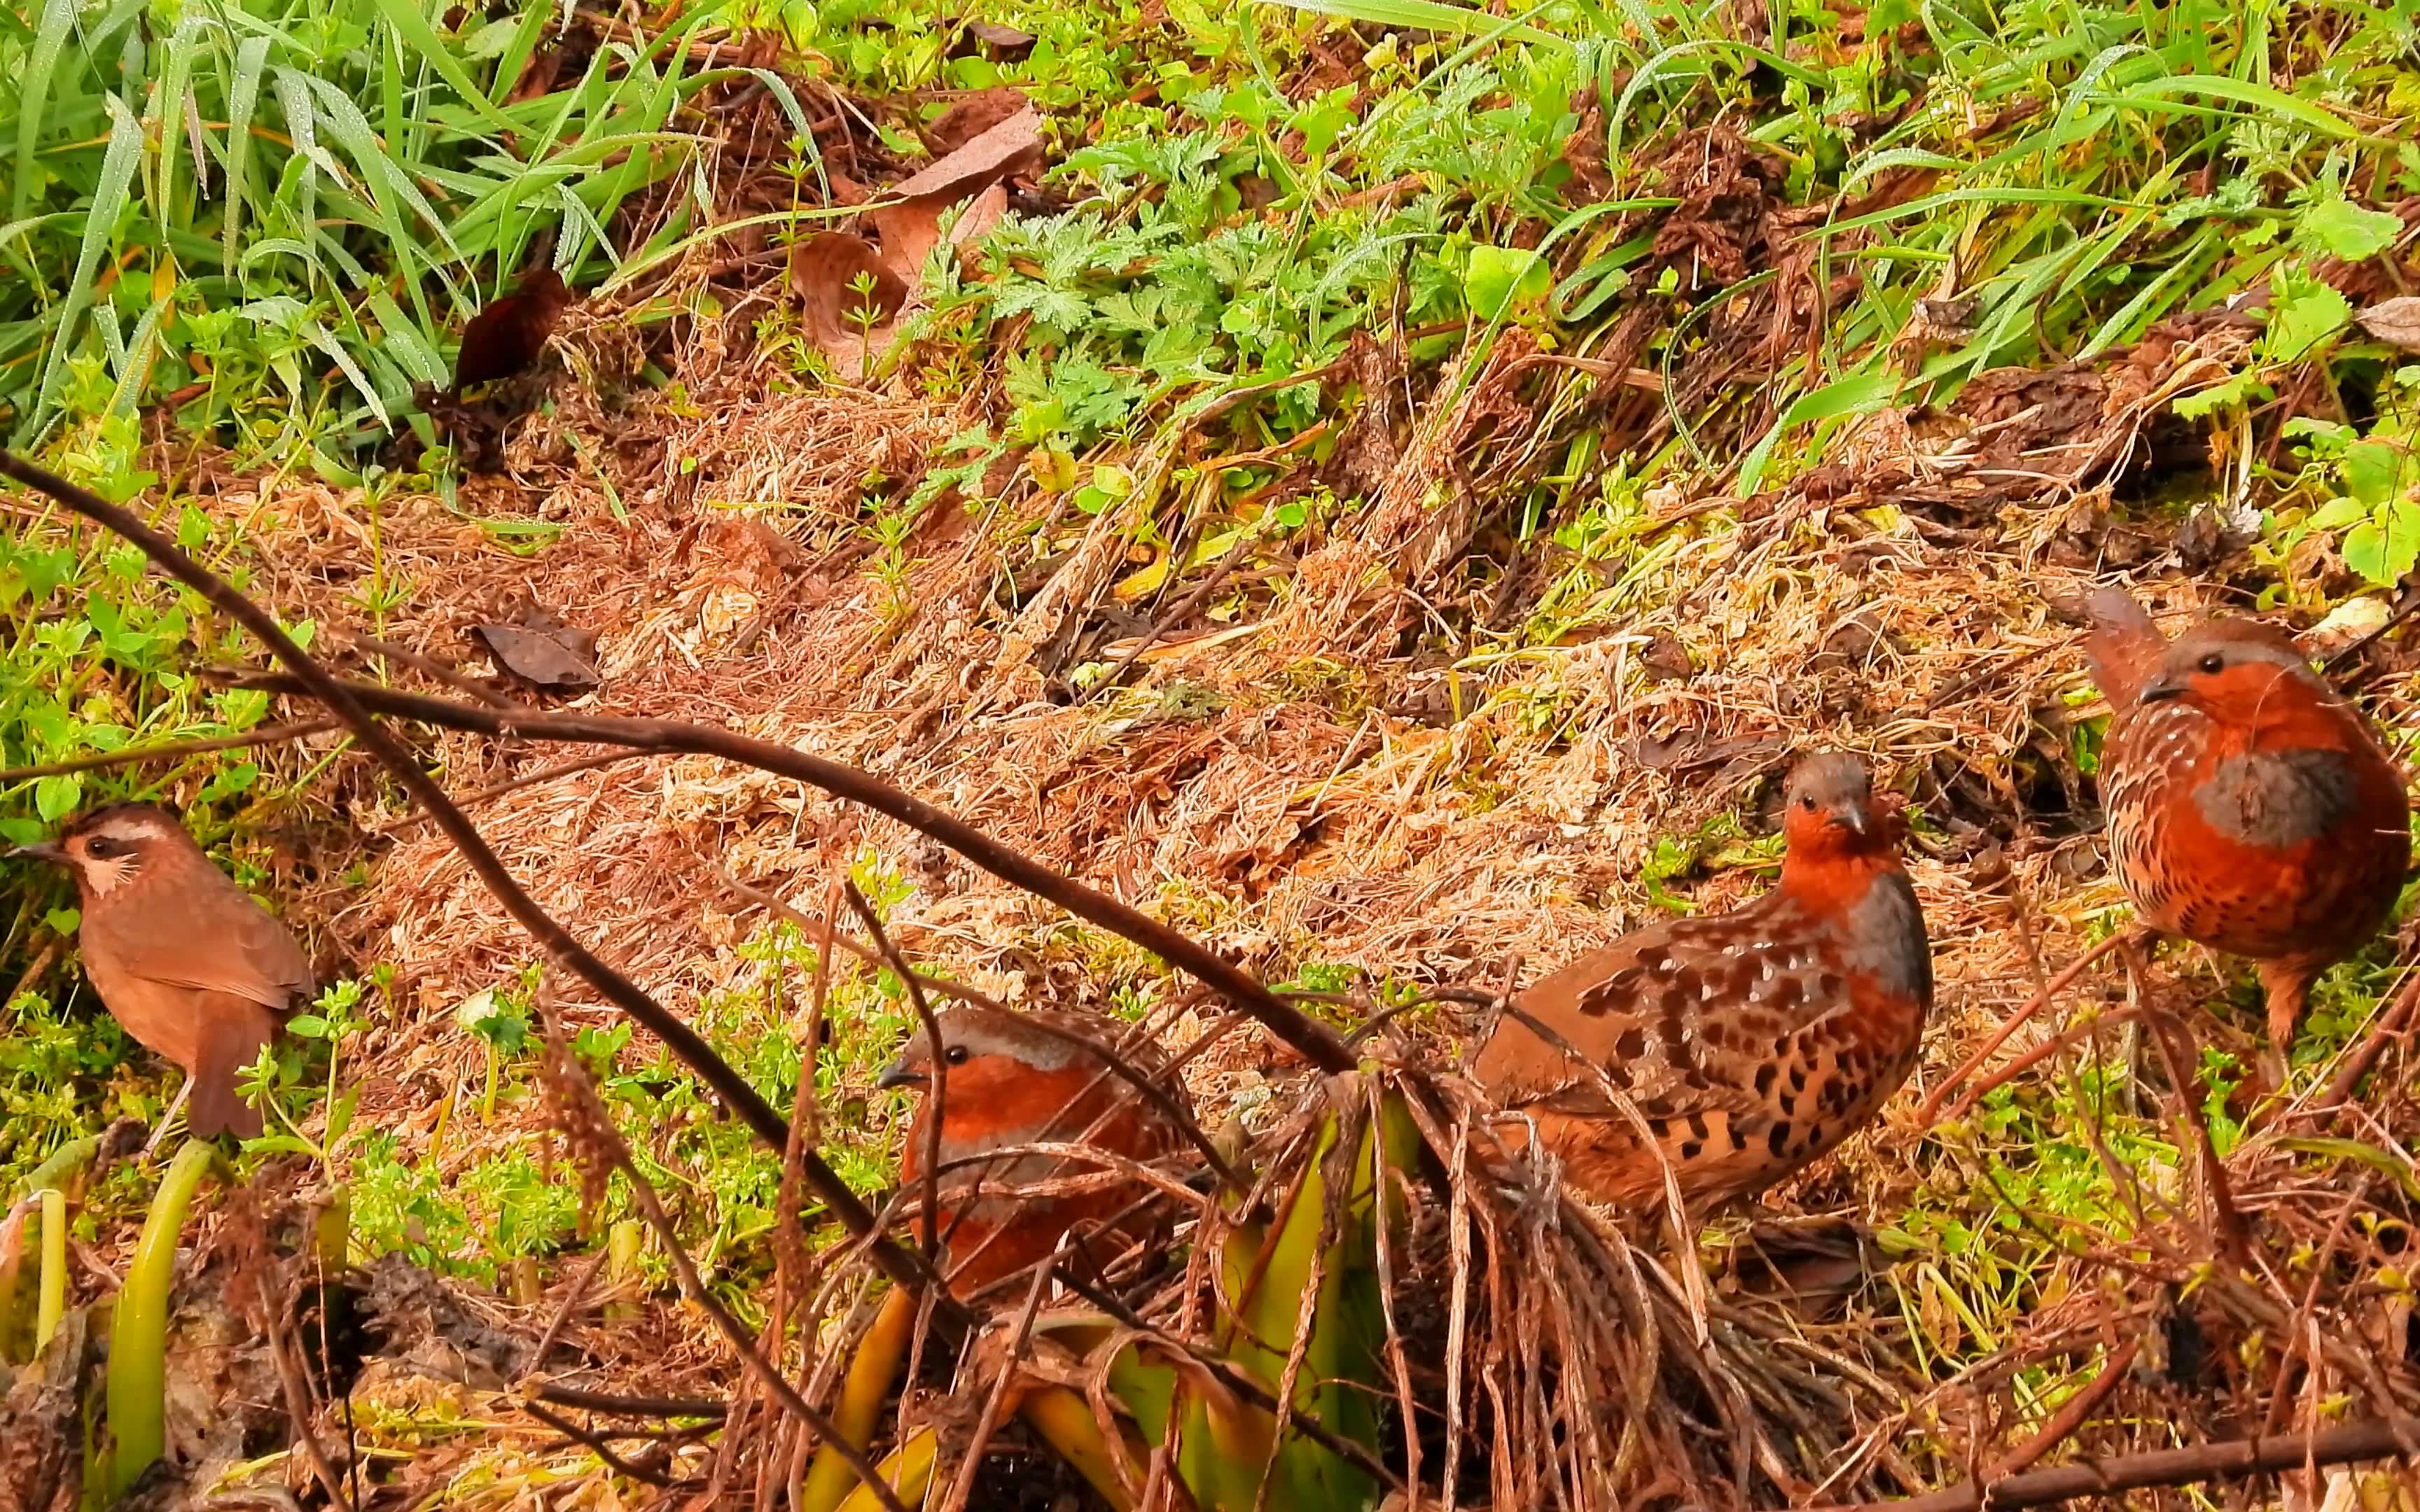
column 2251, row 807
column 181, row 956
column 1015, row 1080
column 1750, row 1043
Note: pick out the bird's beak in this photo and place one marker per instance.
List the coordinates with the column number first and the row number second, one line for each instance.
column 899, row 1074
column 1851, row 820
column 43, row 851
column 2159, row 691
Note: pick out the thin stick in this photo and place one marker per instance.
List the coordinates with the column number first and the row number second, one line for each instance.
column 963, row 1483
column 527, row 779
column 1930, row 1112
column 736, row 1333
column 597, row 1401
column 2389, row 1025
column 266, row 735
column 345, row 698
column 292, row 1386
column 595, row 1445
column 2070, row 1415
column 803, row 1112
column 571, row 1299
column 2227, row 1459
column 937, row 1089
column 2226, row 1221
column 428, row 667
column 2035, row 1057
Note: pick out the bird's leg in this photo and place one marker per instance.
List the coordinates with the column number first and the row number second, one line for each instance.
column 2136, row 954
column 2288, row 987
column 160, row 1129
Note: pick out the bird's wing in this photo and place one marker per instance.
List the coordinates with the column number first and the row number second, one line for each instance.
column 1678, row 1017
column 213, row 938
column 2122, row 645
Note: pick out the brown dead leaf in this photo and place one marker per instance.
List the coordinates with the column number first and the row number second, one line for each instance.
column 971, row 118
column 2395, row 322
column 1013, row 146
column 1004, row 43
column 909, row 232
column 541, row 651
column 838, row 278
column 911, row 228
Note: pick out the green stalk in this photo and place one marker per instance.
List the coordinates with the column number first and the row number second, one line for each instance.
column 52, row 1305
column 12, row 1307
column 871, row 1372
column 138, row 1334
column 624, row 1243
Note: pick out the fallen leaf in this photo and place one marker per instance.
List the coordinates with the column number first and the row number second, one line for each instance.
column 911, row 228
column 982, row 213
column 1665, row 659
column 1013, row 146
column 849, row 294
column 542, row 651
column 2395, row 322
column 971, row 118
column 506, row 337
column 1005, row 43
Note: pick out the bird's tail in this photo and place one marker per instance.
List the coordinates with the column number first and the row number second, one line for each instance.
column 230, row 1033
column 2123, row 646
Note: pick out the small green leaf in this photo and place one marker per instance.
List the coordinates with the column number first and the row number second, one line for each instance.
column 278, row 1145
column 2218, row 397
column 1497, row 277
column 2372, row 472
column 2339, row 512
column 2304, row 314
column 2345, row 230
column 2385, row 546
column 64, row 920
column 55, row 797
column 307, row 1026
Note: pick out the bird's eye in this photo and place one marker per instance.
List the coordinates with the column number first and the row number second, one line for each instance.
column 1808, row 804
column 100, row 849
column 2214, row 663
column 955, row 1055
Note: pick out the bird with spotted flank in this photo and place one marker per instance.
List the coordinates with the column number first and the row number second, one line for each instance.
column 1750, row 1043
column 2251, row 807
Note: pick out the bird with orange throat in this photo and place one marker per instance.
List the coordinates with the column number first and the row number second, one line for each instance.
column 1750, row 1043
column 2252, row 809
column 1014, row 1081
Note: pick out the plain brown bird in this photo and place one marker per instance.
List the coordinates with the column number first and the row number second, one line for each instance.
column 1015, row 1081
column 1752, row 1043
column 507, row 335
column 2251, row 807
column 181, row 956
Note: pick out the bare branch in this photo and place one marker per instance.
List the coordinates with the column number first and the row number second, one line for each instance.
column 2227, row 1459
column 818, row 928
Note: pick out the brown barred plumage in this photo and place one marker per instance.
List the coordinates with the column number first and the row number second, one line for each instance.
column 1751, row 1043
column 2251, row 807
